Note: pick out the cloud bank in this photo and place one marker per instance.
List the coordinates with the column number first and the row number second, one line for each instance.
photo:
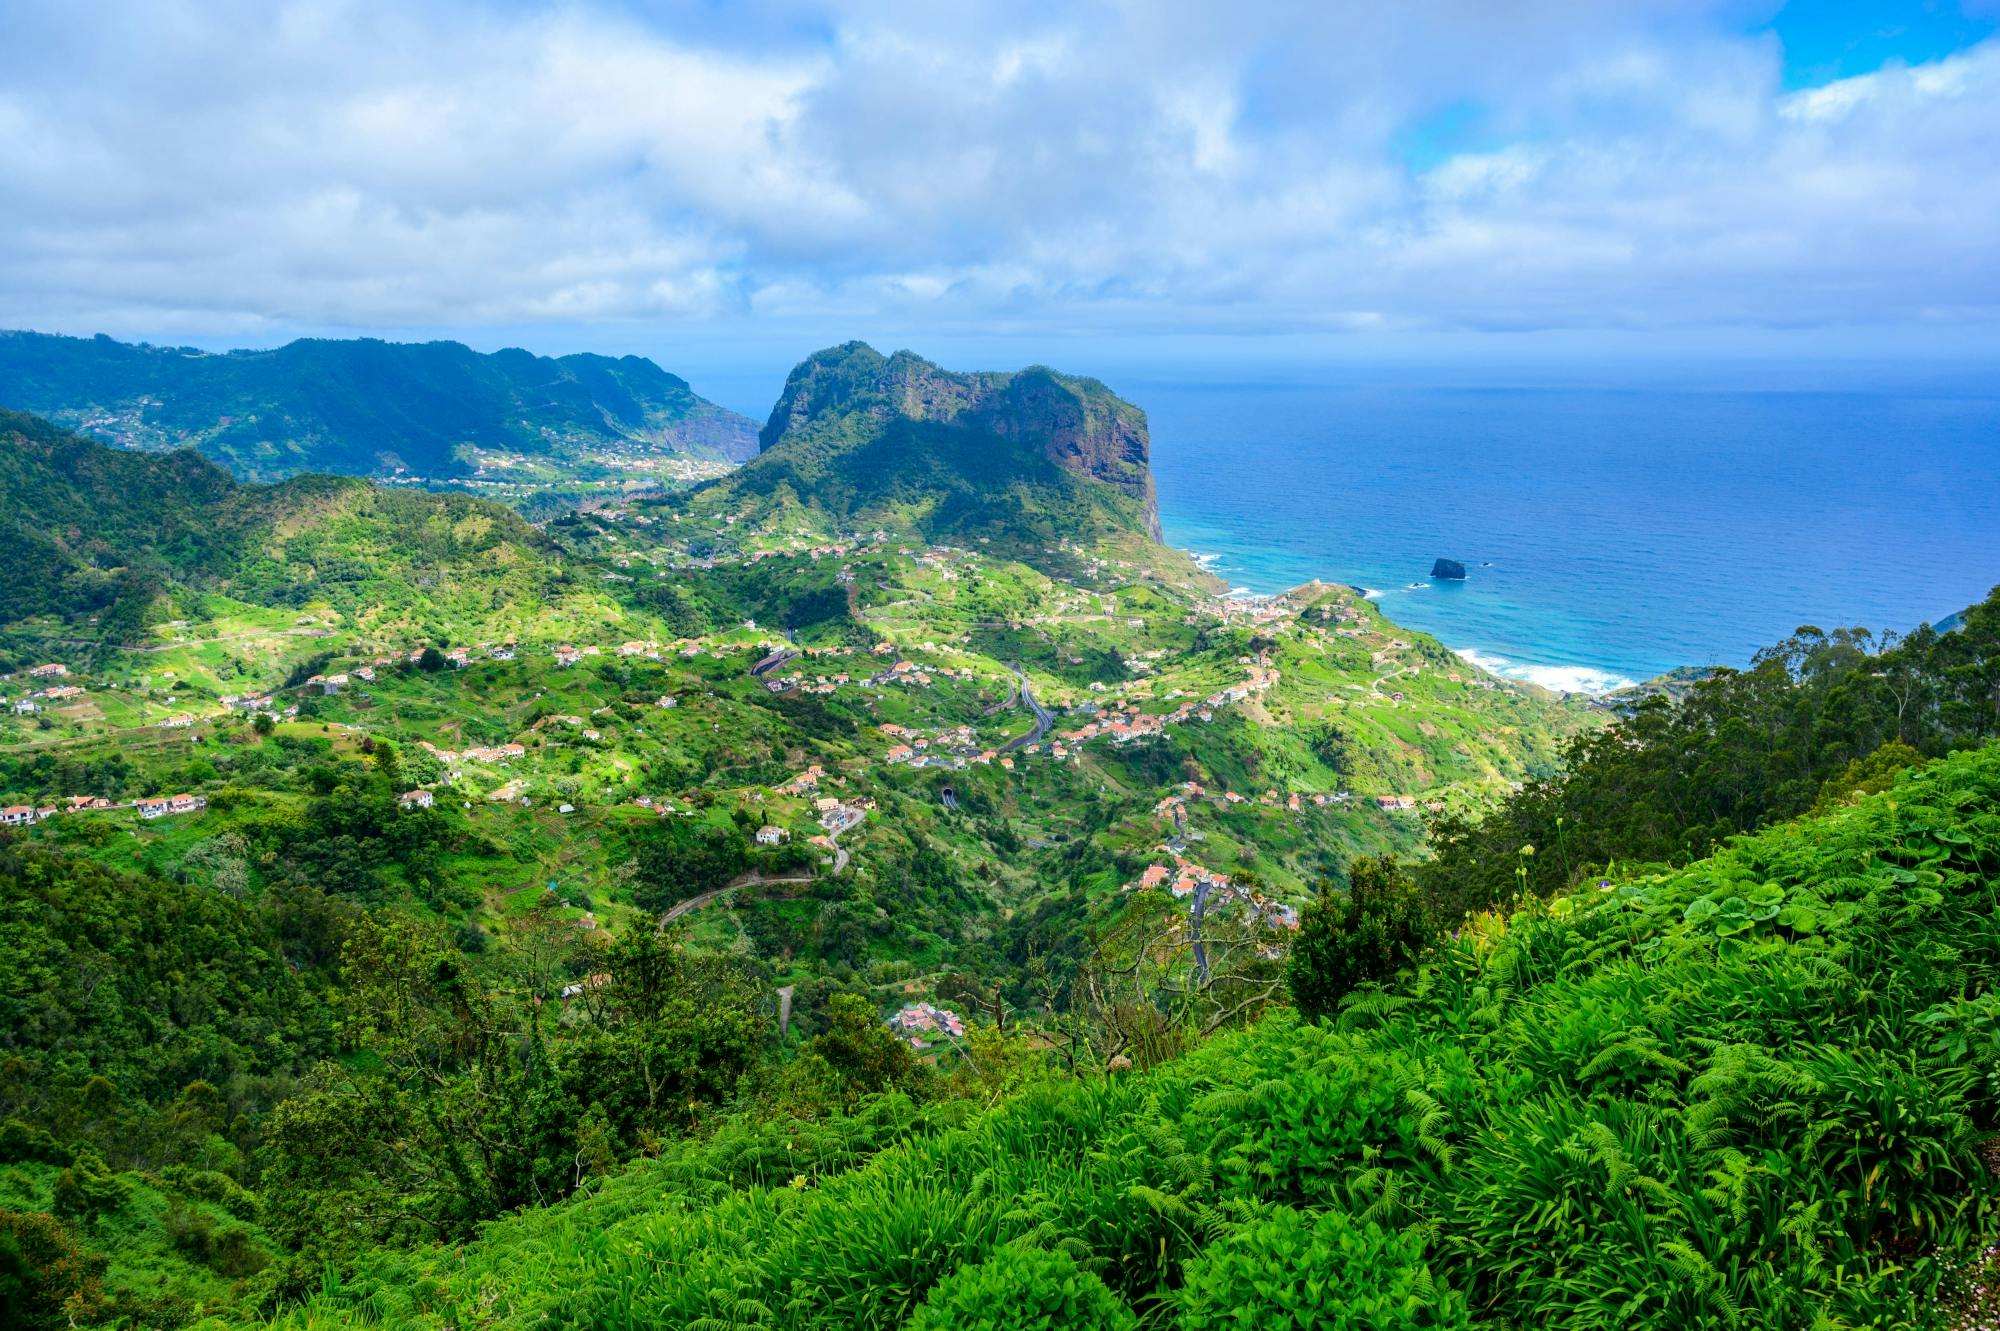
column 234, row 169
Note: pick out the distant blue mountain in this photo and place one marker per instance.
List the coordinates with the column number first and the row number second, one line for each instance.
column 362, row 407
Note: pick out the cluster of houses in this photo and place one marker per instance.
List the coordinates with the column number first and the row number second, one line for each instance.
column 162, row 806
column 904, row 672
column 924, row 1025
column 805, row 782
column 955, row 748
column 1184, row 878
column 30, row 703
column 478, row 754
column 1125, row 722
column 151, row 807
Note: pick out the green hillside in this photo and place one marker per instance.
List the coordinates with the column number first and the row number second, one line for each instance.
column 860, row 439
column 1751, row 1092
column 810, row 908
column 364, row 407
column 112, row 543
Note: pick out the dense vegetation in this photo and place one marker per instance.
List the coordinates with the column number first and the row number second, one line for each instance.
column 1746, row 1093
column 1814, row 717
column 574, row 1041
column 360, row 407
column 132, row 539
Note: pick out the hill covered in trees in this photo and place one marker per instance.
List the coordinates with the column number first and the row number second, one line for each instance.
column 425, row 917
column 862, row 439
column 127, row 539
column 1814, row 717
column 363, row 407
column 1749, row 1092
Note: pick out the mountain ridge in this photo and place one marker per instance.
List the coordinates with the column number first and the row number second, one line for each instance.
column 361, row 406
column 102, row 530
column 1032, row 452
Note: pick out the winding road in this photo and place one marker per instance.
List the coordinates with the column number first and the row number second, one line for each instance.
column 709, row 898
column 1043, row 717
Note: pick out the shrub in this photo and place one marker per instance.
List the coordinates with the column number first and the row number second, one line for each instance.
column 1377, row 927
column 211, row 1185
column 228, row 1249
column 46, row 1281
column 25, row 1141
column 88, row 1189
column 1022, row 1289
column 1294, row 1272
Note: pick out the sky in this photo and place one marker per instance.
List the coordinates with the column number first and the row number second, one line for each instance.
column 725, row 186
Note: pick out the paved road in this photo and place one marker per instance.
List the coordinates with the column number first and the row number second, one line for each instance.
column 840, row 856
column 680, row 908
column 1043, row 717
column 1195, row 913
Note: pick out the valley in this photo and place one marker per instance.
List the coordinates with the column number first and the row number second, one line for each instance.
column 453, row 870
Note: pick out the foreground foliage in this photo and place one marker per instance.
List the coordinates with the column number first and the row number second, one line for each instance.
column 1814, row 719
column 1744, row 1094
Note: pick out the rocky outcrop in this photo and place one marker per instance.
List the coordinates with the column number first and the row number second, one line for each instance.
column 837, row 402
column 1448, row 568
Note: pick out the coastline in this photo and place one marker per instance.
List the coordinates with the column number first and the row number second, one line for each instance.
column 1556, row 676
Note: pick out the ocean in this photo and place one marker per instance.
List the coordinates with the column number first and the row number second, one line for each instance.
column 1614, row 523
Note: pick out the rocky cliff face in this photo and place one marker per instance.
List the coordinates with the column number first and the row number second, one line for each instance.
column 838, row 401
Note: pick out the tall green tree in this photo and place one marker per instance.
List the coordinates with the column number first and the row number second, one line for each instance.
column 1375, row 927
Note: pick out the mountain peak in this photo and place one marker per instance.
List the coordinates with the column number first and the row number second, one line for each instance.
column 848, row 408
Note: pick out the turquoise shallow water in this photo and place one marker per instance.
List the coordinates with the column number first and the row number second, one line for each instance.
column 1613, row 525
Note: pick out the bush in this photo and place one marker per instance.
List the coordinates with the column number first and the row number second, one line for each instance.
column 211, row 1185
column 228, row 1249
column 25, row 1141
column 1292, row 1272
column 46, row 1281
column 1022, row 1290
column 88, row 1189
column 1374, row 929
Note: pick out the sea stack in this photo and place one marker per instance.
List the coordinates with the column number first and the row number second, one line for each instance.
column 1448, row 568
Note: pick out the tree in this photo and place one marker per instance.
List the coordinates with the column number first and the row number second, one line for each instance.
column 1365, row 934
column 859, row 1054
column 88, row 1189
column 46, row 1280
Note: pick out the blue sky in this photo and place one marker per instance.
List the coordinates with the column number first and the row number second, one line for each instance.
column 726, row 186
column 1824, row 40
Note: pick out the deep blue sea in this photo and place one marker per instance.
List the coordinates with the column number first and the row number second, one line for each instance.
column 1614, row 523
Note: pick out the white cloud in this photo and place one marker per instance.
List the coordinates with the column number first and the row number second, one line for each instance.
column 330, row 163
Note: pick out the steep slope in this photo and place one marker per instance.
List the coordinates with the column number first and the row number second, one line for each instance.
column 90, row 527
column 360, row 407
column 862, row 437
column 74, row 514
column 1751, row 1092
